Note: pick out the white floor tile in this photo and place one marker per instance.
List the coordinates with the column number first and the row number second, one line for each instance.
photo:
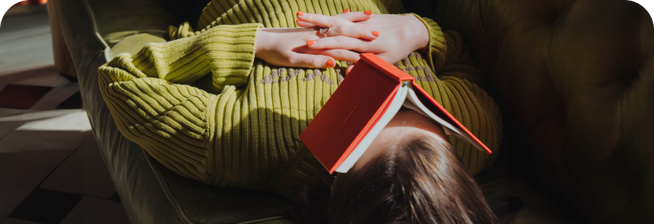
column 23, row 115
column 20, row 173
column 53, row 79
column 76, row 121
column 97, row 211
column 54, row 133
column 84, row 172
column 10, row 123
column 34, row 72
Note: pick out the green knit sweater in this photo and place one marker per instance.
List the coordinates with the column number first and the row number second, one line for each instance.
column 205, row 107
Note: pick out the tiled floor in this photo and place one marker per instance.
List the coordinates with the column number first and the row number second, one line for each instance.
column 51, row 170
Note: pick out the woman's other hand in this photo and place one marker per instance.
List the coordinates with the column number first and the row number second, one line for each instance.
column 288, row 47
column 398, row 35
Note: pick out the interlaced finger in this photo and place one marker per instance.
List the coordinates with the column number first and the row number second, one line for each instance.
column 338, row 54
column 340, row 42
column 301, row 23
column 342, row 54
column 354, row 30
column 355, row 16
column 321, row 20
column 311, row 61
column 316, row 20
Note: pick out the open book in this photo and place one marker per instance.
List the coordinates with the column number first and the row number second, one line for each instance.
column 367, row 99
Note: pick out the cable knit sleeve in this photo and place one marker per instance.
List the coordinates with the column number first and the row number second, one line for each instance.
column 437, row 51
column 227, row 52
column 152, row 105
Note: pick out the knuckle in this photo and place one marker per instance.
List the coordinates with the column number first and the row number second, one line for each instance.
column 340, row 40
column 334, row 21
column 338, row 30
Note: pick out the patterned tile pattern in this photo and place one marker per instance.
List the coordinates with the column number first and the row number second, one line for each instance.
column 51, row 170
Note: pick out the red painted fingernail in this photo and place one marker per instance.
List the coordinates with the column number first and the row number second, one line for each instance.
column 369, row 12
column 375, row 33
column 331, row 63
column 300, row 13
column 311, row 42
column 346, row 11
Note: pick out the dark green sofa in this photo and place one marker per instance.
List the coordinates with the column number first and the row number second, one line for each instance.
column 574, row 80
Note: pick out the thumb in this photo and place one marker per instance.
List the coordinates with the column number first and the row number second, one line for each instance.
column 348, row 69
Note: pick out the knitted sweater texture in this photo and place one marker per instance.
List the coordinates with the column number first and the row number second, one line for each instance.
column 206, row 108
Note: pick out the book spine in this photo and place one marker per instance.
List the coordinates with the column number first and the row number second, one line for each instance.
column 389, row 70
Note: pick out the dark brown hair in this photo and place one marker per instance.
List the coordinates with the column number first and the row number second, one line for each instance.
column 422, row 181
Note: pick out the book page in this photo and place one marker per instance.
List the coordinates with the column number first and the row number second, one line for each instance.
column 408, row 104
column 413, row 102
column 393, row 108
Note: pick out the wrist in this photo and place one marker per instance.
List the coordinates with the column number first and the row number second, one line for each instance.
column 260, row 44
column 419, row 33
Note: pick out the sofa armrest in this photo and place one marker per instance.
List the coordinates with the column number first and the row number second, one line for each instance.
column 125, row 160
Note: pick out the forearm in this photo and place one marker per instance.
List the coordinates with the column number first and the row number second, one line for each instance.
column 166, row 119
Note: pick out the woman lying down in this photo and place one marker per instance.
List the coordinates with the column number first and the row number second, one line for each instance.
column 225, row 104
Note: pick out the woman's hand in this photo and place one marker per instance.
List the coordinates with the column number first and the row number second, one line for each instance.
column 398, row 35
column 288, row 47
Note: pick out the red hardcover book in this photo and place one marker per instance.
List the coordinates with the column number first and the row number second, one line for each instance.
column 367, row 99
